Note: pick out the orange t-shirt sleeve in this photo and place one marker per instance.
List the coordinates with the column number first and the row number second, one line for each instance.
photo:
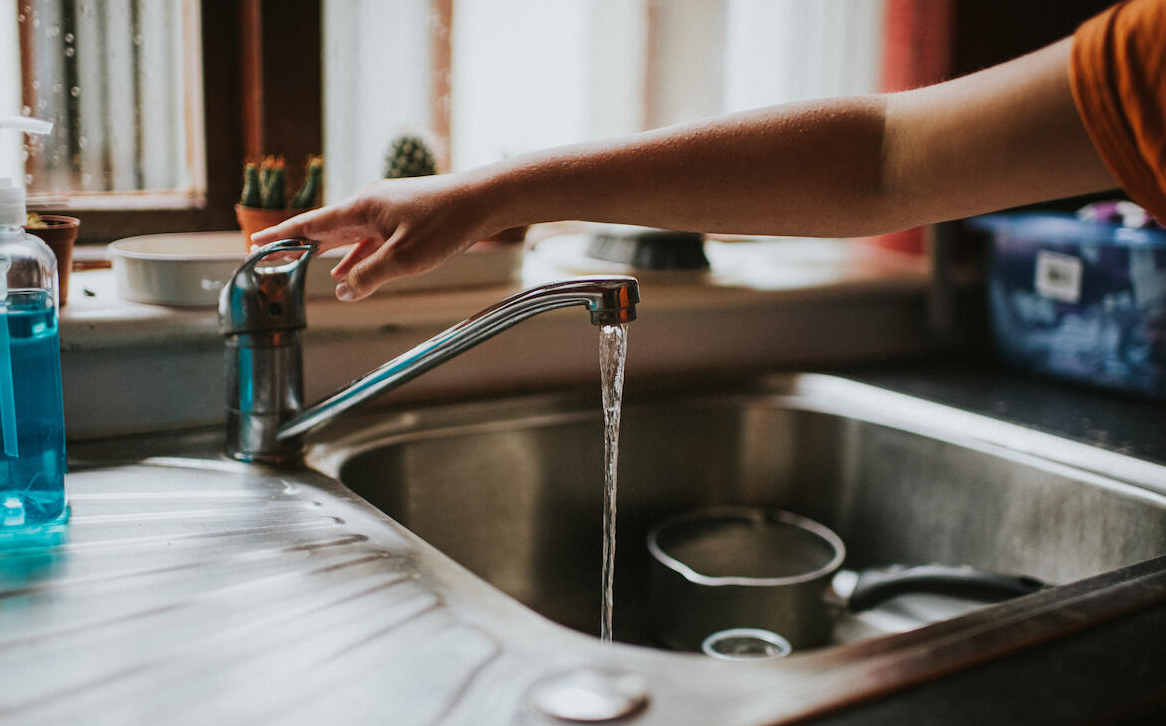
column 1118, row 73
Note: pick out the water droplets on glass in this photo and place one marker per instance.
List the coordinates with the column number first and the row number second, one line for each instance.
column 60, row 91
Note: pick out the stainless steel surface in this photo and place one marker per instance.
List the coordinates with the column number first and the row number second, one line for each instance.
column 512, row 490
column 261, row 313
column 264, row 385
column 589, row 695
column 266, row 299
column 745, row 644
column 856, row 591
column 610, row 300
column 718, row 568
column 192, row 589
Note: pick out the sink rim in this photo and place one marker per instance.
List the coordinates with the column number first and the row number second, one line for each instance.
column 865, row 669
column 384, row 424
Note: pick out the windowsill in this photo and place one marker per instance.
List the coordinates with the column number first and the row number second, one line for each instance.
column 754, row 274
column 143, row 201
column 793, row 303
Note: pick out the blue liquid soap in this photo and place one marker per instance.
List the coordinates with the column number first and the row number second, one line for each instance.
column 32, row 483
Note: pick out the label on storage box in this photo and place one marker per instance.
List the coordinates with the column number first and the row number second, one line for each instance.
column 1058, row 276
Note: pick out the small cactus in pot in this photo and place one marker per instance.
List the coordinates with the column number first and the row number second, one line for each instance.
column 265, row 200
column 409, row 156
column 309, row 194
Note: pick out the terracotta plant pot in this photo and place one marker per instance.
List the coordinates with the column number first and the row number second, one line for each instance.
column 60, row 234
column 253, row 219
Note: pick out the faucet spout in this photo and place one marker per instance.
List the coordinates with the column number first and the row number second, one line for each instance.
column 261, row 311
column 610, row 301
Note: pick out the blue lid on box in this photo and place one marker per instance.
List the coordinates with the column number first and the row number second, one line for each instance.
column 1066, row 228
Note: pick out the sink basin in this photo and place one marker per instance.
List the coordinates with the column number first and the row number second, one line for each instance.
column 512, row 489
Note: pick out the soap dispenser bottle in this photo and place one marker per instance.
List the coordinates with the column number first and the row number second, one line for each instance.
column 32, row 417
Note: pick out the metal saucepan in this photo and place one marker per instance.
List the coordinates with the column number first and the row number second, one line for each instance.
column 728, row 568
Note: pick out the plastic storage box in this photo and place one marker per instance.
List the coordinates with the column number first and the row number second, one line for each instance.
column 1079, row 300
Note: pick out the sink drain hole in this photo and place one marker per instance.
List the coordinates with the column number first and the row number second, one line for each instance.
column 746, row 644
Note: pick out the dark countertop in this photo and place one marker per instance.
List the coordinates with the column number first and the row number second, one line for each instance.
column 1102, row 676
column 1099, row 676
column 1115, row 421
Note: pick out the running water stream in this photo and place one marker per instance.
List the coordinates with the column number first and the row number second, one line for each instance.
column 613, row 346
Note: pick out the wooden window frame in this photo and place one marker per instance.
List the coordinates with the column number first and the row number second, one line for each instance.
column 261, row 90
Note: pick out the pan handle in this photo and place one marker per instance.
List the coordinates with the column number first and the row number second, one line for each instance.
column 876, row 585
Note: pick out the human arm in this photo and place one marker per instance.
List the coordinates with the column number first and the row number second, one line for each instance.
column 839, row 167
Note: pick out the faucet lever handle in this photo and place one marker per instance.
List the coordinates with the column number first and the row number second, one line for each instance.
column 257, row 299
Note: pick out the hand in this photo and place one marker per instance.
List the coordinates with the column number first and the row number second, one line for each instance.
column 398, row 227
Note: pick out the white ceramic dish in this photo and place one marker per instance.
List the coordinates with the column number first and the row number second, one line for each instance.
column 189, row 269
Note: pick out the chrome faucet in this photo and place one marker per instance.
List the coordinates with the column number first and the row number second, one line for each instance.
column 261, row 311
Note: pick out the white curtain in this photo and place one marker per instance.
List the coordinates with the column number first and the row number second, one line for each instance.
column 527, row 74
column 113, row 76
column 789, row 50
column 377, row 60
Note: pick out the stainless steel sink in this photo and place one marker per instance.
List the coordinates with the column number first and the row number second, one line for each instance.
column 193, row 589
column 511, row 489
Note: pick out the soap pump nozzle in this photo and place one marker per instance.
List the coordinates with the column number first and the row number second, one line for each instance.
column 12, row 195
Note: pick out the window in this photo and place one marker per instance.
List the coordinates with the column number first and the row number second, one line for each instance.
column 157, row 102
column 148, row 100
column 379, row 81
column 120, row 81
column 518, row 75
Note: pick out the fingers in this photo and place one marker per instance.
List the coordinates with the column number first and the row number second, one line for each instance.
column 397, row 228
column 405, row 253
column 335, row 226
column 359, row 251
column 297, row 226
column 330, row 226
column 365, row 268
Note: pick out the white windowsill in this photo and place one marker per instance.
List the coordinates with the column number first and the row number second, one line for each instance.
column 754, row 274
column 788, row 303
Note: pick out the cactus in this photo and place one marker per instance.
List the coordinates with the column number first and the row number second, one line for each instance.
column 265, row 184
column 273, row 184
column 250, row 196
column 266, row 168
column 306, row 197
column 409, row 156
